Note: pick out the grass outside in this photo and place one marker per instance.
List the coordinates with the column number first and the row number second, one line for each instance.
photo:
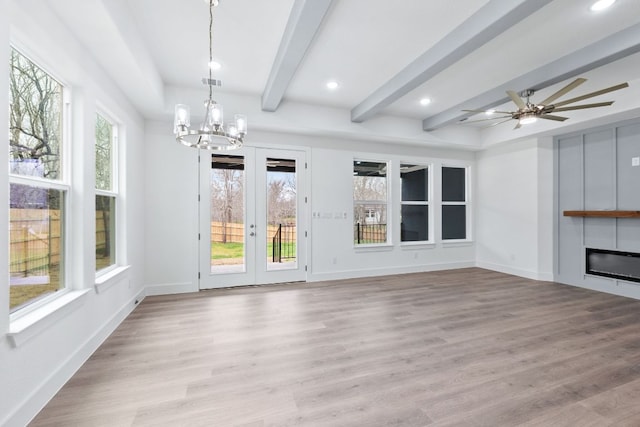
column 236, row 250
column 20, row 294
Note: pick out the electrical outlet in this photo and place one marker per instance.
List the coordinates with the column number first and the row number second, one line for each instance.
column 635, row 161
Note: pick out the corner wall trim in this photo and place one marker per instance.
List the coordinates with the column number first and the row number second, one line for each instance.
column 171, row 288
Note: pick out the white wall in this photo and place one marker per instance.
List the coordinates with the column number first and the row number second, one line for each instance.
column 514, row 209
column 33, row 371
column 171, row 193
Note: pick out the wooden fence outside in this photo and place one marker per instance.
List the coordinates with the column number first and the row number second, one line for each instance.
column 234, row 232
column 35, row 241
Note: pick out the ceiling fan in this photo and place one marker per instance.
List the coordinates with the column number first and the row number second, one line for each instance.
column 529, row 112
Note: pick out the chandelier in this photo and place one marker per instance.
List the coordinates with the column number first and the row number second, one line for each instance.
column 212, row 135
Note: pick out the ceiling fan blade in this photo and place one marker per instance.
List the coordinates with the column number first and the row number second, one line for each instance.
column 551, row 117
column 574, row 84
column 496, row 124
column 484, row 120
column 583, row 106
column 516, row 99
column 592, row 94
column 485, row 111
column 518, row 125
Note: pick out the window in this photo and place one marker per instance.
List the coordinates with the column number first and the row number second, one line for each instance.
column 454, row 203
column 414, row 210
column 37, row 183
column 369, row 202
column 106, row 193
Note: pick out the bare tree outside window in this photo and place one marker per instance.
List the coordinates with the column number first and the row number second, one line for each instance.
column 36, row 206
column 35, row 127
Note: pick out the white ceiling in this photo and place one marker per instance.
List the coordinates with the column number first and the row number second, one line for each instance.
column 157, row 49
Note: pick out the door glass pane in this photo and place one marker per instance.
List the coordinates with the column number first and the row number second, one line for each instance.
column 36, row 227
column 226, row 184
column 282, row 227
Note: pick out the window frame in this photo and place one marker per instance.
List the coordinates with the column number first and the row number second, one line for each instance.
column 63, row 184
column 429, row 203
column 387, row 202
column 114, row 193
column 466, row 203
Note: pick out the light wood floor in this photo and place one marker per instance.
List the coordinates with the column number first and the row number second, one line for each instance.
column 457, row 348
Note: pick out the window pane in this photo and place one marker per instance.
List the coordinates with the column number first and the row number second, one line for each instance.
column 370, row 181
column 36, row 225
column 370, row 202
column 104, row 154
column 414, row 225
column 454, row 222
column 453, row 184
column 370, row 223
column 105, row 231
column 35, row 123
column 414, row 182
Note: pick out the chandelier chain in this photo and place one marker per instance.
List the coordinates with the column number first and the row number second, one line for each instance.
column 210, row 46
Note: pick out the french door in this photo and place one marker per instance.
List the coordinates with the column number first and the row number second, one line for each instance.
column 252, row 217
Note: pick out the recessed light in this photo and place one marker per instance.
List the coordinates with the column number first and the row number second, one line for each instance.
column 601, row 5
column 333, row 85
column 425, row 101
column 215, row 65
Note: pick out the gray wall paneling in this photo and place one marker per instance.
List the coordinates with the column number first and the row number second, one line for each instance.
column 593, row 171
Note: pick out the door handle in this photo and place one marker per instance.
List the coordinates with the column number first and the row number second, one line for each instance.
column 252, row 234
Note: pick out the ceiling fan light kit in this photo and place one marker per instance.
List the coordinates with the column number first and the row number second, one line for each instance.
column 528, row 112
column 213, row 134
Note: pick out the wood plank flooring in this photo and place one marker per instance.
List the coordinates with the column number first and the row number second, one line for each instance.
column 465, row 347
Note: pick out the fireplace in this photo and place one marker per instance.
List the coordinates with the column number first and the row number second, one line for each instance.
column 614, row 264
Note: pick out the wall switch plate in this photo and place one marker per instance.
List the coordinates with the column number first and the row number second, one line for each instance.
column 635, row 161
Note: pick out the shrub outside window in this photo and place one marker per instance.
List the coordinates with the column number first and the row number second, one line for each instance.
column 37, row 183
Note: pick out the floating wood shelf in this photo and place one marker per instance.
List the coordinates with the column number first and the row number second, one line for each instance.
column 604, row 214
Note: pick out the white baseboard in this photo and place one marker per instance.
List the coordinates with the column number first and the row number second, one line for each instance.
column 37, row 400
column 370, row 272
column 610, row 286
column 527, row 274
column 171, row 288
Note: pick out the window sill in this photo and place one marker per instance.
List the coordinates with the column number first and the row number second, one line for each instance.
column 31, row 324
column 456, row 243
column 109, row 278
column 412, row 246
column 374, row 248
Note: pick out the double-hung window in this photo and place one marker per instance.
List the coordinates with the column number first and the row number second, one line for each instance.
column 38, row 182
column 106, row 192
column 370, row 202
column 454, row 203
column 415, row 197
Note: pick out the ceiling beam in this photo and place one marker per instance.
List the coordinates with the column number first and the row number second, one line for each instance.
column 490, row 21
column 612, row 48
column 304, row 22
